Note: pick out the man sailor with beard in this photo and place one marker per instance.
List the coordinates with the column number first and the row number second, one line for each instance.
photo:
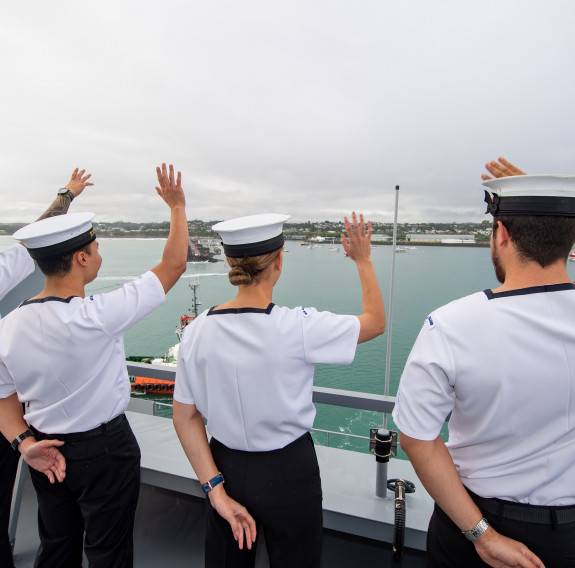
column 502, row 362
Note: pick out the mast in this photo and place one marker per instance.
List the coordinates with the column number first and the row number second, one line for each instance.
column 195, row 303
column 390, row 310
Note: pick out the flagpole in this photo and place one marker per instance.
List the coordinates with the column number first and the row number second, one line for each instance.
column 390, row 305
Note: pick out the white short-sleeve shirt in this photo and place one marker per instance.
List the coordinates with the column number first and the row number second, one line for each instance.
column 66, row 356
column 504, row 364
column 15, row 265
column 250, row 371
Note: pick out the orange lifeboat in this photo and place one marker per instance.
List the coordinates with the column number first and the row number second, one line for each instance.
column 150, row 385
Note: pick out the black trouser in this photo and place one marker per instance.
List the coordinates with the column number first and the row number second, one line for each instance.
column 98, row 497
column 550, row 538
column 281, row 489
column 8, row 466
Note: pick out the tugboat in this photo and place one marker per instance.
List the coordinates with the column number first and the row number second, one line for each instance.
column 146, row 385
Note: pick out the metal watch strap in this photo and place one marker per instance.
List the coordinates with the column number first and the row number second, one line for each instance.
column 477, row 530
column 209, row 485
column 66, row 191
column 16, row 442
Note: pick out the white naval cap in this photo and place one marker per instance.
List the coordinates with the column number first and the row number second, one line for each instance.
column 252, row 235
column 57, row 235
column 531, row 195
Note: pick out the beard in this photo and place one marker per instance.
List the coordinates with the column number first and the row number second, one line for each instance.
column 499, row 270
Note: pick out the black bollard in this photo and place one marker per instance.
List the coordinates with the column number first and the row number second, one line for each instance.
column 382, row 449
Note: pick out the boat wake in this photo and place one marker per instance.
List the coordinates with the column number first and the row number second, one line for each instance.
column 111, row 278
column 128, row 278
column 204, row 275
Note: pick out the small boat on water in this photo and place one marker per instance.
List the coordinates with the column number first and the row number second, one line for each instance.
column 146, row 385
column 572, row 255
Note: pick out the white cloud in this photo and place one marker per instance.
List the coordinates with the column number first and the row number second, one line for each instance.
column 307, row 107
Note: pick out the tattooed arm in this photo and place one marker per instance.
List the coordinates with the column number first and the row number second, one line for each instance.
column 61, row 204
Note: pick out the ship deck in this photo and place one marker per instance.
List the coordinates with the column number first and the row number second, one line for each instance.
column 169, row 526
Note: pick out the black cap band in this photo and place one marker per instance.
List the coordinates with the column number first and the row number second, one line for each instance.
column 71, row 245
column 254, row 249
column 534, row 205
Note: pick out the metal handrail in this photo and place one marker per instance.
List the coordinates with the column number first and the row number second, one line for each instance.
column 321, row 395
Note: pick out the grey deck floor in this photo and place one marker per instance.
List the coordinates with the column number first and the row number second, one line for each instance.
column 169, row 531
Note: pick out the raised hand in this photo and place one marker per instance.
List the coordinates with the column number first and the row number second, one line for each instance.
column 45, row 457
column 78, row 182
column 170, row 190
column 501, row 168
column 358, row 243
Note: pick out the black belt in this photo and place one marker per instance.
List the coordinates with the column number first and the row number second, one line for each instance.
column 537, row 514
column 77, row 436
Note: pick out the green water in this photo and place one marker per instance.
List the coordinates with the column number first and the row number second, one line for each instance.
column 426, row 278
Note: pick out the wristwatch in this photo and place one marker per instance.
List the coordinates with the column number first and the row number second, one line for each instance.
column 21, row 437
column 66, row 191
column 477, row 530
column 209, row 485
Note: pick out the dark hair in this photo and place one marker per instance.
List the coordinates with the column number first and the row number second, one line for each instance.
column 247, row 269
column 544, row 239
column 59, row 264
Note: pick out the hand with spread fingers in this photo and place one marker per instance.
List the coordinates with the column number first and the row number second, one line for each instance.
column 501, row 168
column 170, row 189
column 241, row 522
column 45, row 457
column 358, row 247
column 78, row 182
column 358, row 243
column 173, row 263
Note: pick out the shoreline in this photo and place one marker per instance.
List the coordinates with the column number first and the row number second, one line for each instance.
column 484, row 244
column 402, row 243
column 480, row 244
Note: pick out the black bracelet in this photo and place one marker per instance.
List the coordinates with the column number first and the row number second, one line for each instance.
column 20, row 438
column 66, row 191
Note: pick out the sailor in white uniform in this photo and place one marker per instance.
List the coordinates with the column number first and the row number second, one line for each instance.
column 63, row 354
column 503, row 363
column 247, row 367
column 15, row 266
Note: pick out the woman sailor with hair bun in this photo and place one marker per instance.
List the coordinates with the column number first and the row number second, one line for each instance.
column 247, row 367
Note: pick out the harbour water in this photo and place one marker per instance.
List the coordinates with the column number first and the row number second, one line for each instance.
column 426, row 277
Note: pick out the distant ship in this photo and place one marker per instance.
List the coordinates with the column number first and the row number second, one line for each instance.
column 202, row 251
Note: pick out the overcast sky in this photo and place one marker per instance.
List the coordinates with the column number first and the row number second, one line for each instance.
column 305, row 107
